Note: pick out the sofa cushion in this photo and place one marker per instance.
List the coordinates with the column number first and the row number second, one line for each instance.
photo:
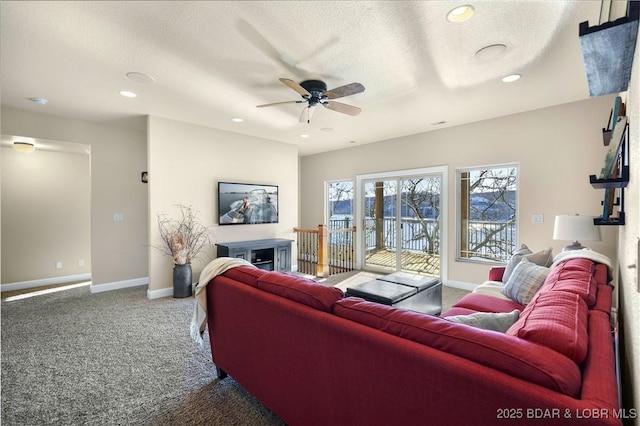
column 557, row 320
column 575, row 276
column 525, row 281
column 484, row 303
column 245, row 274
column 604, row 299
column 301, row 290
column 516, row 357
column 540, row 258
column 496, row 321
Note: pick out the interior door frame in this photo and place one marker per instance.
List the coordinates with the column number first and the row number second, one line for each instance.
column 442, row 171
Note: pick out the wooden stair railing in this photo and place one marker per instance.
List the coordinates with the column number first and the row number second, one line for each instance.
column 323, row 251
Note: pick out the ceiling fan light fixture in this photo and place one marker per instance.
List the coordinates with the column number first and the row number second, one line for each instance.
column 511, row 78
column 26, row 147
column 460, row 13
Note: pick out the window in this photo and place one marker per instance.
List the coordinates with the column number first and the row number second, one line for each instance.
column 340, row 204
column 487, row 211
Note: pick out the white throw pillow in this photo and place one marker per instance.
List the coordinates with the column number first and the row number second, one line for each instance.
column 496, row 321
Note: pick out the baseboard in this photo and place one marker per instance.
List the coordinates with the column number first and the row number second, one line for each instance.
column 119, row 284
column 157, row 294
column 21, row 285
column 461, row 285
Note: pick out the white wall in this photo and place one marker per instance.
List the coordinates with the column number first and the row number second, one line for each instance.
column 118, row 155
column 46, row 216
column 556, row 149
column 187, row 161
column 628, row 249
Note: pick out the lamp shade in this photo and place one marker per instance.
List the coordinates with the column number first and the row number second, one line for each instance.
column 575, row 228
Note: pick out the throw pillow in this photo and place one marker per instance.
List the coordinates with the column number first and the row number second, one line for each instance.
column 525, row 281
column 515, row 259
column 541, row 258
column 496, row 321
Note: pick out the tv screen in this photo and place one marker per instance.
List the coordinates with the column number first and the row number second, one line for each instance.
column 245, row 203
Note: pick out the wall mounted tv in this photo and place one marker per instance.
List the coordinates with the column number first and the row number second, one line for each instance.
column 246, row 203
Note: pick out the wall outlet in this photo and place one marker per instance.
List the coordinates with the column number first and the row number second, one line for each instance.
column 81, row 262
column 537, row 218
column 58, row 265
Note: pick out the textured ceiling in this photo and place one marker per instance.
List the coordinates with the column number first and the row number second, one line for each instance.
column 213, row 61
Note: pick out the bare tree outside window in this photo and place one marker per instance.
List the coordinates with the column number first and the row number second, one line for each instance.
column 487, row 213
column 340, row 204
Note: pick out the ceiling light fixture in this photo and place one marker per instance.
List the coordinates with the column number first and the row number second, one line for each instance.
column 511, row 78
column 304, row 135
column 27, row 147
column 237, row 120
column 460, row 13
column 39, row 101
column 128, row 94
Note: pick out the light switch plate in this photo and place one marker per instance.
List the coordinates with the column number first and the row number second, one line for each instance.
column 537, row 218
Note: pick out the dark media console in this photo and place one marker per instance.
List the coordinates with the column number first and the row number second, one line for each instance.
column 273, row 254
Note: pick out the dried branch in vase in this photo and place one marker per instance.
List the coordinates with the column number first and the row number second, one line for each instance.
column 184, row 238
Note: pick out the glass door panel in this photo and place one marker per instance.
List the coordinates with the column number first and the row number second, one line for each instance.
column 420, row 225
column 379, row 220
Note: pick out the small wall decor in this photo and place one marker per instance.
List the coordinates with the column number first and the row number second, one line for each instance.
column 144, row 177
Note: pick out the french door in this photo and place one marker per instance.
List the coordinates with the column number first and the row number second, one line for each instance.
column 401, row 217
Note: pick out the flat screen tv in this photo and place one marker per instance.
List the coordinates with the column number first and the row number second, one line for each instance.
column 246, row 203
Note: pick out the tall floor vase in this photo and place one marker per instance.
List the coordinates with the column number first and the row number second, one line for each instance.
column 182, row 280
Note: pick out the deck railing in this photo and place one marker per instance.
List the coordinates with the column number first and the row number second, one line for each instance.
column 325, row 251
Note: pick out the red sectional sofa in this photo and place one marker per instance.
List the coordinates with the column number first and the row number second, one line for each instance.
column 316, row 358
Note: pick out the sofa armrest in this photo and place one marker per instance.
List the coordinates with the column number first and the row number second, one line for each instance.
column 496, row 273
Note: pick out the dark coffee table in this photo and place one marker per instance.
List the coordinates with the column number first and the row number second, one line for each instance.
column 402, row 290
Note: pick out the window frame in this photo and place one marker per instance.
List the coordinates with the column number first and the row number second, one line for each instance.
column 327, row 201
column 459, row 225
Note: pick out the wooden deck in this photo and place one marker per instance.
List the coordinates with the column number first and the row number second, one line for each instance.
column 416, row 262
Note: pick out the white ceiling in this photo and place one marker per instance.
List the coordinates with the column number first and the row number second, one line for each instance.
column 213, row 61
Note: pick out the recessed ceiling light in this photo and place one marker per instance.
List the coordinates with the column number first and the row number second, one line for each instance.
column 511, row 78
column 27, row 147
column 39, row 101
column 237, row 120
column 460, row 13
column 304, row 135
column 326, row 129
column 128, row 94
column 139, row 77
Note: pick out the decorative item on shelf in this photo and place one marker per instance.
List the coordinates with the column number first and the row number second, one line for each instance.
column 184, row 239
column 574, row 228
column 608, row 50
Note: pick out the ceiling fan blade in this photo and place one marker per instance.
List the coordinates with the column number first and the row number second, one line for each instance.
column 295, row 86
column 307, row 112
column 343, row 108
column 279, row 103
column 346, row 90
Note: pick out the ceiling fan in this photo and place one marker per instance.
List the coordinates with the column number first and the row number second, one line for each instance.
column 314, row 93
